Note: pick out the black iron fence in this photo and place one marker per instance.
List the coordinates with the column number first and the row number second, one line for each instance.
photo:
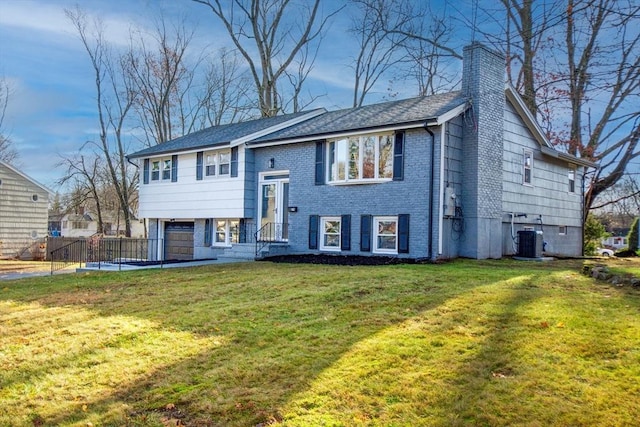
column 102, row 251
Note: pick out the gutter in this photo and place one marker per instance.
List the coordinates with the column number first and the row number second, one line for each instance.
column 441, row 195
column 567, row 157
column 433, row 161
column 336, row 135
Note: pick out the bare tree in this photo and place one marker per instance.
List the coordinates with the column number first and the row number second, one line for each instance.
column 276, row 30
column 226, row 97
column 603, row 58
column 426, row 66
column 85, row 174
column 114, row 99
column 161, row 81
column 8, row 152
column 623, row 198
column 379, row 45
column 401, row 41
column 577, row 63
column 303, row 68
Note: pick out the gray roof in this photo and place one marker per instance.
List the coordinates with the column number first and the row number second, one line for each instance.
column 393, row 113
column 215, row 136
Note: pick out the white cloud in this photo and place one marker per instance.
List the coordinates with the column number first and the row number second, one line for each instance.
column 34, row 16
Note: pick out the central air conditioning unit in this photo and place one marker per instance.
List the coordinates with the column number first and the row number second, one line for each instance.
column 530, row 244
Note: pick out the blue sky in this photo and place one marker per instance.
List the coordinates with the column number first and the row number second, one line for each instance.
column 51, row 109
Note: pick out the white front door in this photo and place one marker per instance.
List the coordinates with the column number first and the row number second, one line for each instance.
column 273, row 206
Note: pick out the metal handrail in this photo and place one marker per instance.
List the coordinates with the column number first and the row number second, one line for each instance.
column 110, row 250
column 271, row 232
column 71, row 253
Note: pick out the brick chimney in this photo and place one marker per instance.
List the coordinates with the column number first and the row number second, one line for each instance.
column 483, row 82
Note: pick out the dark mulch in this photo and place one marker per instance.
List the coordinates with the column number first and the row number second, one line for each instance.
column 626, row 253
column 342, row 259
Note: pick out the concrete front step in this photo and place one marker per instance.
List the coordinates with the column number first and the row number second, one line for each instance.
column 238, row 251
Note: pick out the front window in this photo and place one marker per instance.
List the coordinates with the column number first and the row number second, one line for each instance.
column 218, row 163
column 79, row 225
column 226, row 232
column 166, row 169
column 330, row 228
column 361, row 158
column 155, row 170
column 386, row 234
column 572, row 180
column 528, row 166
column 224, row 162
column 161, row 170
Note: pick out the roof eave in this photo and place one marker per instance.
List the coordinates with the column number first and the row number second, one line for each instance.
column 450, row 114
column 532, row 124
column 551, row 152
column 28, row 178
column 175, row 151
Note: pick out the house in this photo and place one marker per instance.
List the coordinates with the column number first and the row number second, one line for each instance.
column 23, row 214
column 83, row 223
column 615, row 242
column 450, row 175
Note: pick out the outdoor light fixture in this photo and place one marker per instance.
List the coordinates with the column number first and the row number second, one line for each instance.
column 272, row 163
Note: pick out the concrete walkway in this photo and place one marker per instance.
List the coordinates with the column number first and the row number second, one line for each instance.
column 23, row 274
column 128, row 267
column 14, row 275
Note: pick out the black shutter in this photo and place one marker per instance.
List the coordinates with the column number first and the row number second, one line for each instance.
column 242, row 231
column 345, row 233
column 207, row 232
column 234, row 161
column 174, row 168
column 199, row 156
column 320, row 163
column 313, row 231
column 145, row 172
column 398, row 157
column 403, row 234
column 365, row 233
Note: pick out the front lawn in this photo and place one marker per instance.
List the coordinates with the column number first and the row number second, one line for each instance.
column 462, row 343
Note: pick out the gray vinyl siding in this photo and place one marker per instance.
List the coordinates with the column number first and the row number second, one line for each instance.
column 453, row 228
column 547, row 197
column 391, row 198
column 23, row 221
column 250, row 184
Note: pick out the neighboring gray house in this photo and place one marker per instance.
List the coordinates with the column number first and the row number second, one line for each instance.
column 24, row 205
column 443, row 176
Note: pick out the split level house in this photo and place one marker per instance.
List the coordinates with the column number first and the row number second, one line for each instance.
column 24, row 205
column 451, row 175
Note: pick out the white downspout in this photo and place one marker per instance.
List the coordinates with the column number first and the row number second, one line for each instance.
column 441, row 195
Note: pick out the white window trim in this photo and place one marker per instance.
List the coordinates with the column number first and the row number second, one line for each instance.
column 572, row 169
column 562, row 230
column 227, row 232
column 524, row 167
column 215, row 157
column 359, row 179
column 323, row 221
column 376, row 221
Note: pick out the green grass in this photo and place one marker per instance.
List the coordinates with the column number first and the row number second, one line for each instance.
column 462, row 343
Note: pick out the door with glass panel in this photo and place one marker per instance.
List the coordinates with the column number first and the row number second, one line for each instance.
column 273, row 206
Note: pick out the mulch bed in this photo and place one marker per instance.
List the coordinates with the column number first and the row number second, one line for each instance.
column 342, row 259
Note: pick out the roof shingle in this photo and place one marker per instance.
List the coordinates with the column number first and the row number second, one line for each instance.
column 391, row 113
column 216, row 135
